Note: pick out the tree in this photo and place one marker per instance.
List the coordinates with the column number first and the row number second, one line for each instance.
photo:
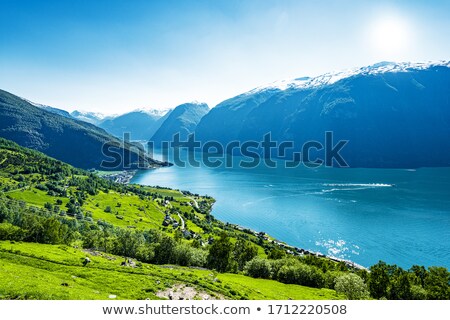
column 165, row 251
column 418, row 293
column 352, row 286
column 219, row 253
column 51, row 231
column 379, row 280
column 258, row 268
column 243, row 252
column 301, row 274
column 437, row 283
column 127, row 243
column 420, row 272
column 276, row 254
column 10, row 232
column 400, row 288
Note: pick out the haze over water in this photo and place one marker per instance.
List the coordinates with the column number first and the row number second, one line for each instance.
column 399, row 216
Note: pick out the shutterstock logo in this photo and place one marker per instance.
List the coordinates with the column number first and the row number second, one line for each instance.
column 244, row 154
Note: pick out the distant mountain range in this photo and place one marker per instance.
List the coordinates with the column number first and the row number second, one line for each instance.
column 62, row 137
column 141, row 124
column 90, row 117
column 183, row 120
column 393, row 114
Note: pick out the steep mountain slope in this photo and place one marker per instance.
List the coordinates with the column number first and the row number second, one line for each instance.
column 183, row 120
column 140, row 124
column 63, row 113
column 393, row 115
column 69, row 140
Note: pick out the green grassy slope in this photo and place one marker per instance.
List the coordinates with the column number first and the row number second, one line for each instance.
column 40, row 271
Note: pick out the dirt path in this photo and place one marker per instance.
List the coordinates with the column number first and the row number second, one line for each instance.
column 182, row 221
column 184, row 292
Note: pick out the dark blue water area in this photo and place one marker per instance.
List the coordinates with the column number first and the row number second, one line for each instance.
column 400, row 216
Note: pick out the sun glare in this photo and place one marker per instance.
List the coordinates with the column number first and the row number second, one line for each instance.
column 391, row 36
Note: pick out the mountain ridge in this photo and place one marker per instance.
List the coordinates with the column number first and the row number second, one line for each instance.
column 183, row 120
column 394, row 115
column 73, row 141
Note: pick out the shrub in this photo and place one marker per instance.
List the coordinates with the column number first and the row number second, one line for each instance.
column 352, row 286
column 277, row 264
column 301, row 274
column 10, row 232
column 330, row 278
column 258, row 268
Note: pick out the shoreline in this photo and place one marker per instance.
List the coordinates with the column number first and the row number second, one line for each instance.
column 122, row 177
column 296, row 251
column 126, row 176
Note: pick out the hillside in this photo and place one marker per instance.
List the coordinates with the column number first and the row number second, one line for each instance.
column 183, row 120
column 110, row 221
column 69, row 234
column 75, row 142
column 141, row 125
column 393, row 115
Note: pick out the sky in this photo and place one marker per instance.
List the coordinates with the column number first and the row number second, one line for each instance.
column 114, row 56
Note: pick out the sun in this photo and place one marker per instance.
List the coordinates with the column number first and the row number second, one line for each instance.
column 390, row 36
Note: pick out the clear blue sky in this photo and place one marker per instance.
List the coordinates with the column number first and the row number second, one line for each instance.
column 115, row 56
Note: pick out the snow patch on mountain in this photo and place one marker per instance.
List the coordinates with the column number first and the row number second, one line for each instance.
column 333, row 77
column 153, row 112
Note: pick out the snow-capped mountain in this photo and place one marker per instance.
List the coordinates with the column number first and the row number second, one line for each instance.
column 153, row 112
column 63, row 113
column 90, row 117
column 392, row 114
column 333, row 77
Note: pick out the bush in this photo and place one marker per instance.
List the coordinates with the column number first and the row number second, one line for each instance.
column 277, row 264
column 330, row 278
column 258, row 268
column 145, row 253
column 301, row 274
column 352, row 286
column 276, row 254
column 10, row 232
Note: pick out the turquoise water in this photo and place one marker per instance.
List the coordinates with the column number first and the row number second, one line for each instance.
column 365, row 215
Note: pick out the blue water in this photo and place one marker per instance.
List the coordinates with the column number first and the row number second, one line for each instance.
column 399, row 216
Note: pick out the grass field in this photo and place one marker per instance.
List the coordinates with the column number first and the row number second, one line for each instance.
column 38, row 271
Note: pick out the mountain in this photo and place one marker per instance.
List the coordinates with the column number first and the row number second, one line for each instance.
column 63, row 113
column 392, row 114
column 183, row 120
column 75, row 142
column 90, row 117
column 141, row 124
